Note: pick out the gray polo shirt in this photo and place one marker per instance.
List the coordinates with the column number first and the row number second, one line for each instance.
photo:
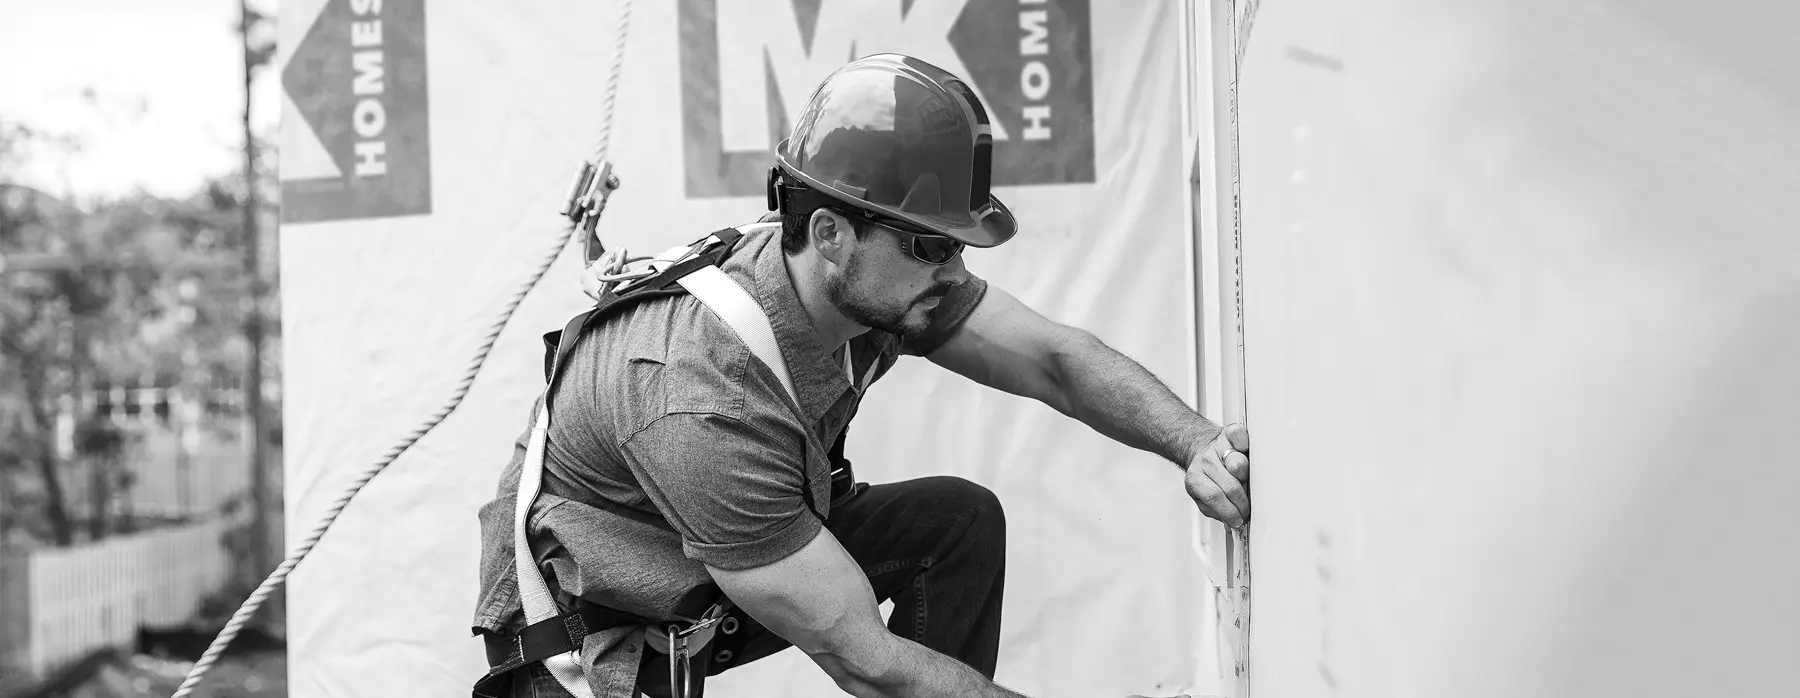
column 671, row 447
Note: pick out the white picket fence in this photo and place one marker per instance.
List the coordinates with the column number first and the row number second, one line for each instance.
column 94, row 596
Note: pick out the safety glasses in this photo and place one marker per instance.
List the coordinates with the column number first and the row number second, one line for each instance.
column 929, row 248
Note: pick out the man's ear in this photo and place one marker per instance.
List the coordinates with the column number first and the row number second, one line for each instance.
column 831, row 234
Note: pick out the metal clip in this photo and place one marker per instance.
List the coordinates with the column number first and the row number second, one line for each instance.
column 680, row 671
column 646, row 271
column 679, row 644
column 708, row 620
column 589, row 191
column 583, row 177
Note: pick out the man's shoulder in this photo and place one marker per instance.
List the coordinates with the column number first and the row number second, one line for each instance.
column 673, row 345
column 673, row 354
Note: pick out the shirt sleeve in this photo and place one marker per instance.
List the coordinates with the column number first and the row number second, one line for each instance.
column 731, row 489
column 947, row 318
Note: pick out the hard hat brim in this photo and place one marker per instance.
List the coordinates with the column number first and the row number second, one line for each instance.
column 989, row 226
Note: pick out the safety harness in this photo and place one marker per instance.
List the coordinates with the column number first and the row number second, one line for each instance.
column 553, row 637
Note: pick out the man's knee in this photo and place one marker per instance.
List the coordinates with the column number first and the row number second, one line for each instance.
column 978, row 505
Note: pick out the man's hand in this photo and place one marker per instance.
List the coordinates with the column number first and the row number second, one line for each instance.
column 1219, row 477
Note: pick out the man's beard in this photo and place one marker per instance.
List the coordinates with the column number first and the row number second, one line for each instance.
column 867, row 312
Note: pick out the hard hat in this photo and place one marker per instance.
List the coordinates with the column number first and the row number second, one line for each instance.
column 900, row 141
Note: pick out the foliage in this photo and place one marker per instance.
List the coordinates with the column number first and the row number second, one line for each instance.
column 133, row 291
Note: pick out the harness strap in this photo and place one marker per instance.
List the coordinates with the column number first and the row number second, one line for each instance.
column 534, row 593
column 745, row 318
column 548, row 638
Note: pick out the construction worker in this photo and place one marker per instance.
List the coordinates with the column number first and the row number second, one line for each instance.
column 686, row 478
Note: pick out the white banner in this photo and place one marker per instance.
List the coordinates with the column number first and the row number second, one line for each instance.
column 423, row 163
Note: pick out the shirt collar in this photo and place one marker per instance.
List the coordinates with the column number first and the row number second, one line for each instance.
column 818, row 377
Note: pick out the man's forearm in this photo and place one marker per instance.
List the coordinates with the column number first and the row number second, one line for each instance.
column 912, row 671
column 1119, row 398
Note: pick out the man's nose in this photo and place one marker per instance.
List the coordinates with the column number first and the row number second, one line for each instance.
column 953, row 273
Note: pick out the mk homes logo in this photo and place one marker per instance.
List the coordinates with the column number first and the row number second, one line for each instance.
column 358, row 81
column 748, row 67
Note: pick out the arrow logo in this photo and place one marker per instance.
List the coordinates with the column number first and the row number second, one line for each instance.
column 358, row 79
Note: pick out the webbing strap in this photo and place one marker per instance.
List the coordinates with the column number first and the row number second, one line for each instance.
column 534, row 594
column 548, row 638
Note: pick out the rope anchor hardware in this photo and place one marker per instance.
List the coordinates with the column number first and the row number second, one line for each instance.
column 589, row 190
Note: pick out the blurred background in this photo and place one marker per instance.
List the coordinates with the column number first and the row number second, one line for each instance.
column 140, row 494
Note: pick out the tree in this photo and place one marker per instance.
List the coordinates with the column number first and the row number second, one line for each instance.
column 32, row 353
column 134, row 290
column 259, row 50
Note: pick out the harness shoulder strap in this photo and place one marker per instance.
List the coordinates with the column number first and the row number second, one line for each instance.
column 745, row 318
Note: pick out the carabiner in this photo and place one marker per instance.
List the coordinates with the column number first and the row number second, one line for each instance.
column 679, row 669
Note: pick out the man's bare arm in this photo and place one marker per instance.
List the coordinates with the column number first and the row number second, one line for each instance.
column 1005, row 345
column 819, row 600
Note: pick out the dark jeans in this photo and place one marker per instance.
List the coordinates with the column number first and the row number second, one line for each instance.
column 936, row 546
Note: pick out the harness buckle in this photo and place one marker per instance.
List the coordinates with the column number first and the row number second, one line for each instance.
column 653, row 266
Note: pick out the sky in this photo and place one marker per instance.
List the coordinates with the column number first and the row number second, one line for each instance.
column 151, row 89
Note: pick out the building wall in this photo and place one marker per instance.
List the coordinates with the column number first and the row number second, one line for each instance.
column 1520, row 291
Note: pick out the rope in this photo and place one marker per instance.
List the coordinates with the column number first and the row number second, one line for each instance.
column 612, row 82
column 274, row 581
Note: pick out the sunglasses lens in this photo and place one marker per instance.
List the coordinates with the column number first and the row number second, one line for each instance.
column 936, row 250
